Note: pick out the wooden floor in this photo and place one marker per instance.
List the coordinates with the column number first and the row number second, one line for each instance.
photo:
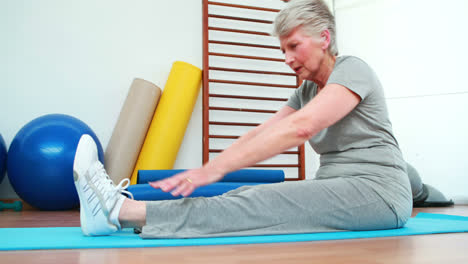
column 440, row 248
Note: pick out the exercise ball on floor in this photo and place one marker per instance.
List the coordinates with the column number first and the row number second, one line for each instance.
column 40, row 161
column 3, row 158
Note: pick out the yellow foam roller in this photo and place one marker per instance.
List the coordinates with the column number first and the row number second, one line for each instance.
column 170, row 119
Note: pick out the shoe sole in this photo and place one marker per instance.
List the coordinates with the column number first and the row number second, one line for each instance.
column 84, row 207
column 77, row 166
column 85, row 144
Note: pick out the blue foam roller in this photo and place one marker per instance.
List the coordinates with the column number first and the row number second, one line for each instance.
column 144, row 192
column 246, row 175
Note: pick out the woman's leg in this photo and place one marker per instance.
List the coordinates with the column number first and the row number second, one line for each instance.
column 132, row 214
column 291, row 207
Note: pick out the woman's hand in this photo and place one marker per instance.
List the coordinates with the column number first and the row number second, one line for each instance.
column 185, row 182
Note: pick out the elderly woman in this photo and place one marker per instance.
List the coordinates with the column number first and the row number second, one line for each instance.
column 340, row 109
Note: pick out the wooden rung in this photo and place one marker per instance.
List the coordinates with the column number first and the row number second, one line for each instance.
column 284, row 153
column 291, row 152
column 241, row 19
column 239, row 31
column 215, row 150
column 292, row 179
column 223, row 136
column 247, row 97
column 216, row 123
column 244, row 56
column 244, row 7
column 252, row 71
column 276, row 165
column 242, row 110
column 243, row 44
column 254, row 83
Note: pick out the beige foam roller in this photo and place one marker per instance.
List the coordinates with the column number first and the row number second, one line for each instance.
column 130, row 131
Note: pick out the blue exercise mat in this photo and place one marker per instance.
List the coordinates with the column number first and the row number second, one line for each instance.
column 144, row 192
column 245, row 175
column 72, row 238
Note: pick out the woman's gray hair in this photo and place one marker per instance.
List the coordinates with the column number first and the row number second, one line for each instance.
column 313, row 15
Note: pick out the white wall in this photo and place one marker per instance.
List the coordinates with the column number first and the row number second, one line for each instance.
column 80, row 57
column 418, row 49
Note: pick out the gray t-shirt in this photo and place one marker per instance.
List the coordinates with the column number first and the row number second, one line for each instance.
column 362, row 143
column 367, row 125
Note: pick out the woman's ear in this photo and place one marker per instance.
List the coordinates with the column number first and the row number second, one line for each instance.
column 325, row 38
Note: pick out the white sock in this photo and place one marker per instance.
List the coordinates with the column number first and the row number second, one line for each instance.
column 114, row 215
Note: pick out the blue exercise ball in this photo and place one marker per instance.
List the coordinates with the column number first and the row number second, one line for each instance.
column 3, row 158
column 40, row 161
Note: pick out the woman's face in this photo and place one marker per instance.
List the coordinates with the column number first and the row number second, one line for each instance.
column 303, row 53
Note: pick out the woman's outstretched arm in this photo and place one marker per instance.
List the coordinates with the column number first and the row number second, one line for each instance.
column 328, row 107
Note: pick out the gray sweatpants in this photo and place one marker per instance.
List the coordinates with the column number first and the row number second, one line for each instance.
column 319, row 205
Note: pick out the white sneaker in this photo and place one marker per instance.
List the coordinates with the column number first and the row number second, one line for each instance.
column 100, row 199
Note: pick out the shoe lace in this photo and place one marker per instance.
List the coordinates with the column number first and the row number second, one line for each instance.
column 106, row 182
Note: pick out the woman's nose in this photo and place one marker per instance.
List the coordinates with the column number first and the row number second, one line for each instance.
column 289, row 59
